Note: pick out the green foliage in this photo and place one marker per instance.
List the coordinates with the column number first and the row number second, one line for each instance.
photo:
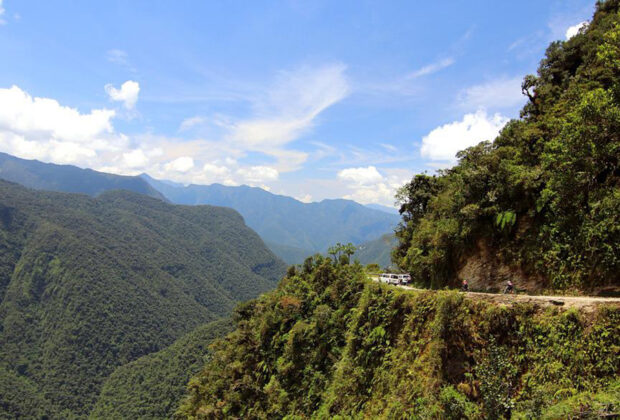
column 341, row 252
column 94, row 283
column 153, row 385
column 327, row 343
column 544, row 195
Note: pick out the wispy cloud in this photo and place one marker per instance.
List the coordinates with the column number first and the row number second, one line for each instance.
column 42, row 128
column 2, row 12
column 431, row 68
column 500, row 93
column 120, row 58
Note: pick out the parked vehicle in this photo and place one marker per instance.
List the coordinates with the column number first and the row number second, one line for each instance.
column 391, row 278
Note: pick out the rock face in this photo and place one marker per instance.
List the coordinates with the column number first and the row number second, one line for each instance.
column 484, row 270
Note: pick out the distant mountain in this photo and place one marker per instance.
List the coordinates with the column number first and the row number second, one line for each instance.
column 378, row 251
column 90, row 284
column 290, row 254
column 391, row 210
column 68, row 178
column 285, row 221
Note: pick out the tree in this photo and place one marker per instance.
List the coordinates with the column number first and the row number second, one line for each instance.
column 342, row 252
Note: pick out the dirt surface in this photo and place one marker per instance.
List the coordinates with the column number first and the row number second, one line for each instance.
column 586, row 303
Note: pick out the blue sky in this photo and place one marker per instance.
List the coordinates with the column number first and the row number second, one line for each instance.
column 314, row 100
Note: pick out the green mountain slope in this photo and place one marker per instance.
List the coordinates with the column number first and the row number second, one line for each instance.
column 290, row 254
column 285, row 221
column 152, row 386
column 89, row 284
column 68, row 178
column 328, row 343
column 378, row 251
column 541, row 204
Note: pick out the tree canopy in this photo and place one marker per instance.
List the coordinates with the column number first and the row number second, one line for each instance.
column 544, row 195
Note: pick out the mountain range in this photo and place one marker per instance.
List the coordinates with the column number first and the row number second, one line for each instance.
column 90, row 284
column 69, row 178
column 284, row 221
column 292, row 229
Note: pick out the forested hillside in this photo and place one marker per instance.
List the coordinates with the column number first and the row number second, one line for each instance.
column 90, row 284
column 286, row 222
column 541, row 203
column 69, row 178
column 328, row 343
column 152, row 386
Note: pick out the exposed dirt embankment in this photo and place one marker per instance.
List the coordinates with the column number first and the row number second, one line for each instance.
column 485, row 270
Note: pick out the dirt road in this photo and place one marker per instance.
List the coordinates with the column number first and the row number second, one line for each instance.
column 579, row 302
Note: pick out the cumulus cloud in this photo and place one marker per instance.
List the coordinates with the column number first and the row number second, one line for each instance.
column 182, row 164
column 127, row 94
column 445, row 141
column 368, row 185
column 258, row 174
column 44, row 129
column 362, row 176
column 574, row 30
column 495, row 94
column 431, row 68
column 41, row 128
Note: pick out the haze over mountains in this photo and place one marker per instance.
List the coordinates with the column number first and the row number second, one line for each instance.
column 285, row 221
column 89, row 284
column 292, row 229
column 68, row 178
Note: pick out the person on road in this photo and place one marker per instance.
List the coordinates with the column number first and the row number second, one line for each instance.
column 509, row 287
column 465, row 286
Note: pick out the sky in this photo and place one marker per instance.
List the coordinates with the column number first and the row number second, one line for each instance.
column 311, row 99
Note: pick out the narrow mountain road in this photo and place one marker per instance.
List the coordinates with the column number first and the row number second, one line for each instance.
column 579, row 302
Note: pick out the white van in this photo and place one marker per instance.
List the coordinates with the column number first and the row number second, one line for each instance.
column 390, row 278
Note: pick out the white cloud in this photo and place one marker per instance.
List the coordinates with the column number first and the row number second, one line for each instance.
column 361, row 176
column 290, row 108
column 188, row 123
column 43, row 129
column 367, row 185
column 445, row 141
column 388, row 147
column 431, row 68
column 182, row 164
column 495, row 94
column 127, row 94
column 574, row 30
column 2, row 10
column 307, row 198
column 135, row 159
column 258, row 174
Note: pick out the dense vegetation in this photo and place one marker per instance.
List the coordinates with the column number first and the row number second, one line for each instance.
column 544, row 196
column 68, row 178
column 89, row 284
column 286, row 222
column 329, row 343
column 152, row 386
